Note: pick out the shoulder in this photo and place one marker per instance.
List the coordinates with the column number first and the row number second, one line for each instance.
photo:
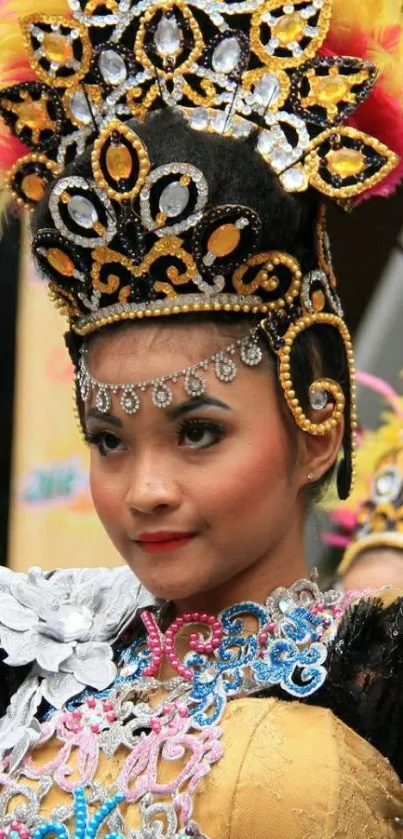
column 57, row 632
column 306, row 770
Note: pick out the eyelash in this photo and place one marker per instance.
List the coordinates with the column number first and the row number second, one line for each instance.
column 215, row 428
column 99, row 438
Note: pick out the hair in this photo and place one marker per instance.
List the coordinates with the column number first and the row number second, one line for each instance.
column 236, row 174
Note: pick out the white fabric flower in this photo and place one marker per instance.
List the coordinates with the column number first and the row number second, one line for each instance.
column 63, row 623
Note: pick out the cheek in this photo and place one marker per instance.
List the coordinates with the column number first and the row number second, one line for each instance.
column 106, row 491
column 255, row 476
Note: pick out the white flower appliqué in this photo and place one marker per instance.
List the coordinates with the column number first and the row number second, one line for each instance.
column 64, row 623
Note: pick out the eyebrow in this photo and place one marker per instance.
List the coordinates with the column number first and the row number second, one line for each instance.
column 194, row 404
column 93, row 413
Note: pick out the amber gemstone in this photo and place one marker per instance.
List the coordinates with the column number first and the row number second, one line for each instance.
column 289, row 28
column 318, row 300
column 60, row 262
column 57, row 48
column 119, row 162
column 346, row 163
column 332, row 89
column 378, row 522
column 32, row 186
column 33, row 114
column 224, row 240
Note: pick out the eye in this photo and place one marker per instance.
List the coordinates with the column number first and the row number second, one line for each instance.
column 106, row 442
column 200, row 434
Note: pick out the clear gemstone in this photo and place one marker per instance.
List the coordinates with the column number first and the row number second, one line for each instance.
column 194, row 385
column 199, row 119
column 79, row 107
column 226, row 56
column 161, row 396
column 294, row 179
column 241, row 129
column 267, row 90
column 103, row 401
column 251, row 354
column 174, row 199
column 167, row 37
column 318, row 399
column 68, row 623
column 225, row 369
column 112, row 67
column 219, row 122
column 82, row 211
column 285, row 605
column 130, row 401
column 279, row 160
column 265, row 142
column 384, row 484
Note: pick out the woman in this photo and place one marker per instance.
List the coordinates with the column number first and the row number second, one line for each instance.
column 214, row 386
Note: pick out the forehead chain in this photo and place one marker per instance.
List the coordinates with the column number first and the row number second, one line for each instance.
column 223, row 363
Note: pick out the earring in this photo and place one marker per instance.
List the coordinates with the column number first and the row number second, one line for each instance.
column 310, row 476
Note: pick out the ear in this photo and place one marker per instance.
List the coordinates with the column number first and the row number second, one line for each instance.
column 318, row 453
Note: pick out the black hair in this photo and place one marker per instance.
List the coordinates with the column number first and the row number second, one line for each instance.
column 237, row 174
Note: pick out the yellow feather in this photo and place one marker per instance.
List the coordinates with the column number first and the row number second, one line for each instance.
column 12, row 49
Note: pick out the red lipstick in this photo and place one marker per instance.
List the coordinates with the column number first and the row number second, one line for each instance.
column 163, row 540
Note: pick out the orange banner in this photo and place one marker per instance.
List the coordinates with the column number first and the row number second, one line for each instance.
column 52, row 520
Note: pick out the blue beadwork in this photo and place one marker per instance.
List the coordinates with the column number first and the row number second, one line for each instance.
column 85, row 827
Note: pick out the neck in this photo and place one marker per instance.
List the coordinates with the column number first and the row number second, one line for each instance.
column 281, row 567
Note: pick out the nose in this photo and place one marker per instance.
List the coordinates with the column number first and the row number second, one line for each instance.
column 152, row 485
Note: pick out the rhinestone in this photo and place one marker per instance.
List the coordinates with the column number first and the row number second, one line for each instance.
column 60, row 262
column 267, row 90
column 225, row 369
column 79, row 107
column 103, row 401
column 241, row 129
column 265, row 142
column 119, row 162
column 251, row 354
column 194, row 385
column 57, row 48
column 317, row 399
column 384, row 483
column 199, row 119
column 346, row 163
column 318, row 300
column 226, row 56
column 219, row 122
column 82, row 212
column 167, row 37
column 285, row 605
column 224, row 240
column 174, row 199
column 85, row 388
column 129, row 401
column 32, row 186
column 112, row 67
column 161, row 395
column 332, row 89
column 289, row 28
column 280, row 160
column 294, row 179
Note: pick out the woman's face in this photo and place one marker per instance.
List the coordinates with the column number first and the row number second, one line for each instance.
column 201, row 493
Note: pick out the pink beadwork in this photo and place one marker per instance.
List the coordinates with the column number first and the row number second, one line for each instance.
column 15, row 830
column 160, row 645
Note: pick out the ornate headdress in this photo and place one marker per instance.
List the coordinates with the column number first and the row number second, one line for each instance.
column 134, row 236
column 373, row 515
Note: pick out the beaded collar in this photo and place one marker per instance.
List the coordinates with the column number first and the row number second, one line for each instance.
column 156, row 719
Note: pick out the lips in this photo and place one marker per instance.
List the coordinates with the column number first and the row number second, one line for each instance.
column 164, row 540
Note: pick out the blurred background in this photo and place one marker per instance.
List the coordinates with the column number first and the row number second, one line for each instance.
column 46, row 514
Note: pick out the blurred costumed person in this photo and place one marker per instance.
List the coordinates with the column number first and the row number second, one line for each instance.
column 175, row 156
column 367, row 542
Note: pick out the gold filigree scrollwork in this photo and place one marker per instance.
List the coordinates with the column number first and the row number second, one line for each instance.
column 266, row 278
column 331, row 387
column 206, row 98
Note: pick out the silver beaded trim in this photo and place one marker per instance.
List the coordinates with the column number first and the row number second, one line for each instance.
column 247, row 349
column 75, row 182
column 197, row 179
